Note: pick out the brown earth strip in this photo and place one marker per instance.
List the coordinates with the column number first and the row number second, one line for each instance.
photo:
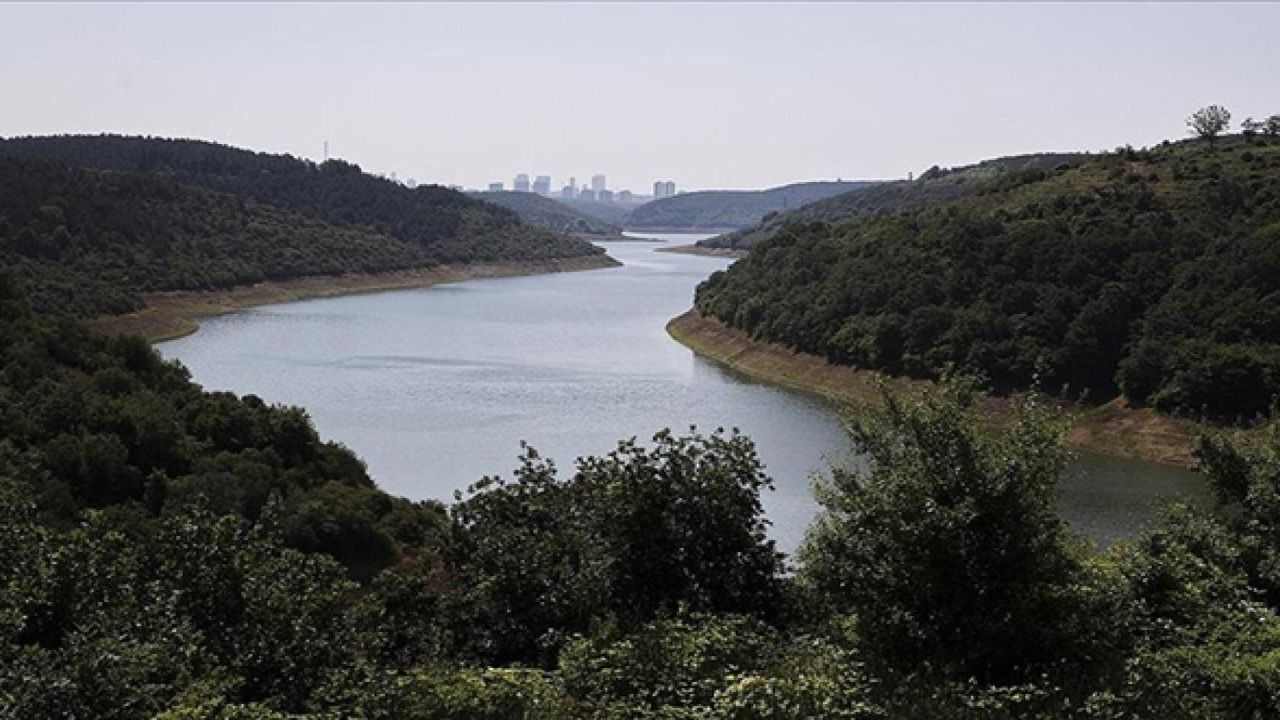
column 167, row 315
column 1114, row 428
column 699, row 250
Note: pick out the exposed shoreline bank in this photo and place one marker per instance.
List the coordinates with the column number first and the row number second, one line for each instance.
column 169, row 315
column 705, row 251
column 1112, row 429
column 680, row 230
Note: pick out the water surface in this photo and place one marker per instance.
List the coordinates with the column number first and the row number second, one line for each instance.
column 436, row 387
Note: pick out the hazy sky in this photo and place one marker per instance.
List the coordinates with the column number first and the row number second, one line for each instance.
column 710, row 95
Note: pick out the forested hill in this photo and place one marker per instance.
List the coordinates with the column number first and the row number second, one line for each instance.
column 89, row 241
column 549, row 213
column 934, row 185
column 450, row 226
column 1154, row 273
column 732, row 208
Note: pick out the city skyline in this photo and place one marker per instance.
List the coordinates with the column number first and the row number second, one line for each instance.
column 542, row 184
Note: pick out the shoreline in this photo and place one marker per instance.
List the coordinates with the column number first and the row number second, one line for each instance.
column 681, row 230
column 173, row 314
column 704, row 251
column 1111, row 429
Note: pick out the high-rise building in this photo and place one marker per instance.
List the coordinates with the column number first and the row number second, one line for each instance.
column 569, row 192
column 542, row 185
column 605, row 196
column 521, row 183
column 625, row 196
column 597, row 183
column 495, row 187
column 663, row 189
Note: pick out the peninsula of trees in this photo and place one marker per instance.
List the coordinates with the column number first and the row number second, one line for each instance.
column 91, row 222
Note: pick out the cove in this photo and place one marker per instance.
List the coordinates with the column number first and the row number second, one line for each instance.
column 436, row 387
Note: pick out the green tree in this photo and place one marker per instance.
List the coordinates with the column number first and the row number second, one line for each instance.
column 1209, row 122
column 630, row 535
column 948, row 549
column 1271, row 128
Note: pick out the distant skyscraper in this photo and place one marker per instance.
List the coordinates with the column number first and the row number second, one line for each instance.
column 597, row 183
column 569, row 192
column 663, row 189
column 542, row 185
column 586, row 193
column 625, row 196
column 605, row 196
column 521, row 184
column 495, row 187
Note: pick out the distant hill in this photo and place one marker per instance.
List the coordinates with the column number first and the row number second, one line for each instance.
column 935, row 185
column 549, row 213
column 187, row 215
column 612, row 213
column 450, row 226
column 1152, row 273
column 719, row 209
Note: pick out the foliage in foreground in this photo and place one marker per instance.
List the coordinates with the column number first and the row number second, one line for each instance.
column 171, row 553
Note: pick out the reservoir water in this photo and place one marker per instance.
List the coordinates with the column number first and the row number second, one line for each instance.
column 436, row 387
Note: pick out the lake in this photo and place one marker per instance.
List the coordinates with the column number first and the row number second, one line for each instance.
column 436, row 387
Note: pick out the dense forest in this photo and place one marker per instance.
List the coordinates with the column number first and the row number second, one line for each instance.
column 1154, row 273
column 717, row 209
column 935, row 185
column 89, row 242
column 550, row 214
column 91, row 221
column 171, row 553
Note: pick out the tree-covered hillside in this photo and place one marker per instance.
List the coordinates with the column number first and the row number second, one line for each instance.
column 1155, row 273
column 90, row 242
column 612, row 213
column 732, row 208
column 450, row 226
column 933, row 186
column 549, row 213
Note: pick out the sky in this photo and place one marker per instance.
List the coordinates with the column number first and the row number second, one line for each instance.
column 713, row 95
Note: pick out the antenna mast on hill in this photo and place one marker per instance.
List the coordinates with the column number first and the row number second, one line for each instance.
column 326, row 151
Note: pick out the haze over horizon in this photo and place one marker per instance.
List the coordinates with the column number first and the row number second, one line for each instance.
column 707, row 95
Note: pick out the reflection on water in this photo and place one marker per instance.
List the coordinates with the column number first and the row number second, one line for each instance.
column 436, row 387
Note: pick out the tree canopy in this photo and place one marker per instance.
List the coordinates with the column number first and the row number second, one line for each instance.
column 1151, row 273
column 92, row 221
